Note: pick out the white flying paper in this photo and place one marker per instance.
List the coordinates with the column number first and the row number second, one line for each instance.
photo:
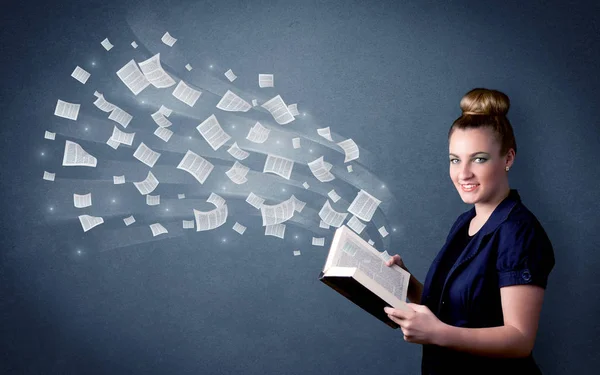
column 213, row 133
column 186, row 94
column 350, row 149
column 237, row 152
column 88, row 222
column 255, row 201
column 80, row 74
column 155, row 73
column 49, row 176
column 148, row 185
column 168, row 39
column 83, row 200
column 279, row 110
column 120, row 116
column 146, row 155
column 158, row 229
column 266, row 80
column 196, row 165
column 163, row 133
column 320, row 169
column 237, row 173
column 239, row 228
column 152, row 200
column 278, row 165
column 133, row 77
column 208, row 220
column 232, row 103
column 66, row 110
column 75, row 155
column 118, row 180
column 49, row 135
column 106, row 44
column 364, row 205
column 258, row 133
column 325, row 133
column 230, row 75
column 330, row 216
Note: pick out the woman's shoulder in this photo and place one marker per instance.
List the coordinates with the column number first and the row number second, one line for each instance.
column 521, row 222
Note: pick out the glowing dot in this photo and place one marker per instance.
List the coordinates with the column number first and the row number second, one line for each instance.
column 86, row 128
column 277, row 141
column 51, row 208
column 296, row 236
column 223, row 187
column 190, row 137
column 233, row 126
column 211, row 66
column 283, row 189
column 304, row 114
column 394, row 229
column 143, row 102
column 114, row 200
column 224, row 240
column 383, row 186
column 93, row 63
column 310, row 150
column 166, row 209
column 42, row 154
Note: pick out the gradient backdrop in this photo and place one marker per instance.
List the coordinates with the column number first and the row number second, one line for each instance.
column 388, row 74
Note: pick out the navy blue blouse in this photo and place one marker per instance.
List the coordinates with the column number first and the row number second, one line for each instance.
column 462, row 287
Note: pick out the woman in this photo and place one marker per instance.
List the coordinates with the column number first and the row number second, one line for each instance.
column 478, row 310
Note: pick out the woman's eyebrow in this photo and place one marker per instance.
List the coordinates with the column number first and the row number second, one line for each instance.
column 473, row 154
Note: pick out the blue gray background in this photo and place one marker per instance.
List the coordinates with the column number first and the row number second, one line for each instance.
column 387, row 74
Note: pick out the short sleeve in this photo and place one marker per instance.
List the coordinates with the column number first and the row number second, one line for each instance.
column 525, row 254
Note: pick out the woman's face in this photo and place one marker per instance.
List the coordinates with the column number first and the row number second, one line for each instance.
column 476, row 168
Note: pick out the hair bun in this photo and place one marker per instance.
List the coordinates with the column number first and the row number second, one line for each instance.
column 482, row 101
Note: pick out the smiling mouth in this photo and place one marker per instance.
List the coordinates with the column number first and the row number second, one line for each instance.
column 468, row 187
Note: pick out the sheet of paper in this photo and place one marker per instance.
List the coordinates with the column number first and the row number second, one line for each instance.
column 67, row 110
column 144, row 154
column 75, row 155
column 231, row 102
column 279, row 110
column 168, row 39
column 258, row 133
column 133, row 77
column 266, row 80
column 80, row 74
column 213, row 133
column 155, row 73
column 186, row 94
column 196, row 165
column 364, row 205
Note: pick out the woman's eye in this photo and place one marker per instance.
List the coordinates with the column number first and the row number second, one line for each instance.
column 482, row 160
column 452, row 161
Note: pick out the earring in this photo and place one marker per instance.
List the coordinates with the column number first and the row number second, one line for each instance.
column 507, row 168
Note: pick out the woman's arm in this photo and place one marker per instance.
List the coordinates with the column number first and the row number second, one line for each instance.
column 521, row 307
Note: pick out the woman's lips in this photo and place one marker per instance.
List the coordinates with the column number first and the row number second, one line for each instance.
column 469, row 187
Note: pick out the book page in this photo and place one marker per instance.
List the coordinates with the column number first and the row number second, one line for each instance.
column 133, row 77
column 279, row 110
column 349, row 250
column 155, row 73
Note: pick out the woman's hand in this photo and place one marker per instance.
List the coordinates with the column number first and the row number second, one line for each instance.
column 396, row 259
column 419, row 325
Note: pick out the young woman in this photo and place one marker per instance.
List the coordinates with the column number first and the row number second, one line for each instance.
column 478, row 310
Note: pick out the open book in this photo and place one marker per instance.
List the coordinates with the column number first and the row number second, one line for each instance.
column 357, row 271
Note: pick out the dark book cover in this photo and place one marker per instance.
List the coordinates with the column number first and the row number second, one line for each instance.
column 360, row 295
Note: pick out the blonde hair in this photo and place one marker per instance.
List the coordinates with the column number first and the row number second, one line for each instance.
column 487, row 108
